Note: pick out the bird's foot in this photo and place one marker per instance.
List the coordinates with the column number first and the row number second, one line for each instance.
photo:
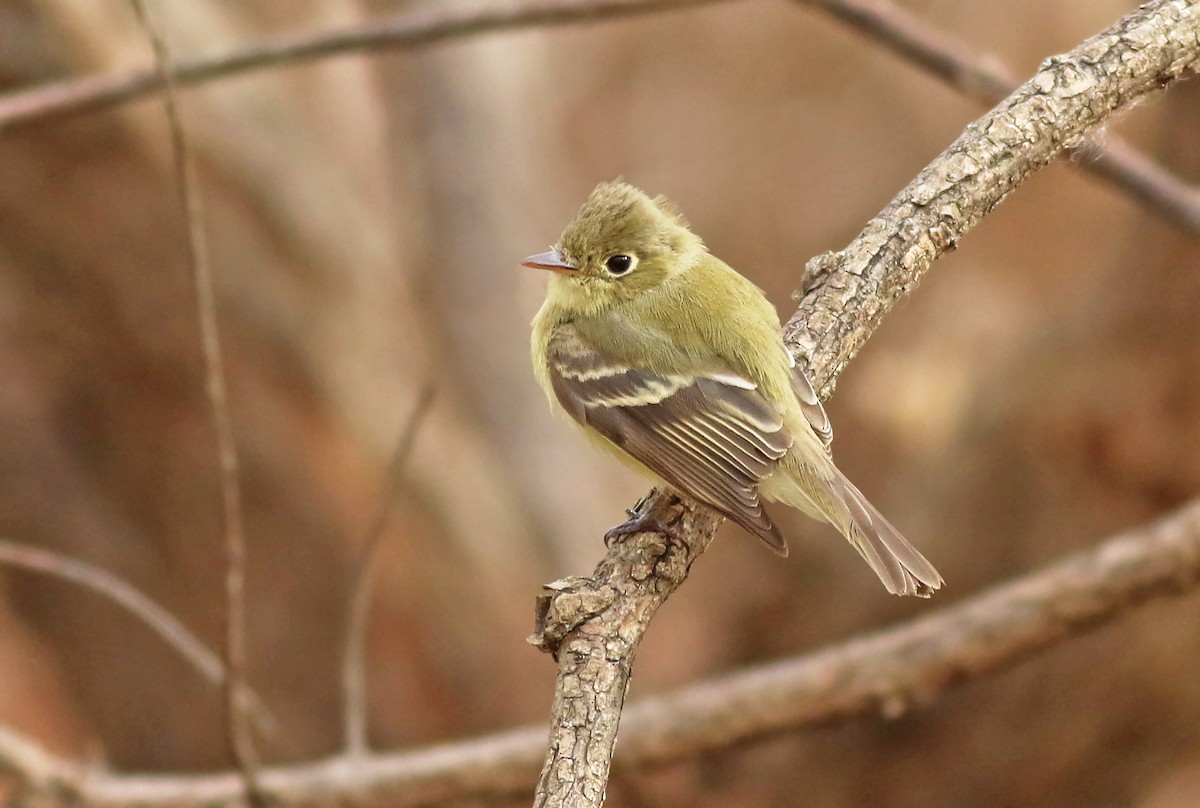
column 637, row 523
column 644, row 517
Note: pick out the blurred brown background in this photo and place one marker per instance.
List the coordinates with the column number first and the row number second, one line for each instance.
column 366, row 217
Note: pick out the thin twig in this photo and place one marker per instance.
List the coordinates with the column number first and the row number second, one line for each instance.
column 39, row 769
column 405, row 31
column 354, row 677
column 238, row 737
column 123, row 594
column 899, row 669
column 132, row 600
column 985, row 79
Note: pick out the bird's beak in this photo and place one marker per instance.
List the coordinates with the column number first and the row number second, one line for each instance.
column 553, row 260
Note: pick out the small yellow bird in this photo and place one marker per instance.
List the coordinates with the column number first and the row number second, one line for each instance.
column 670, row 359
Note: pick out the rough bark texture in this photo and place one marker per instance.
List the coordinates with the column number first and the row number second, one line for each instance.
column 847, row 293
column 983, row 78
column 845, row 296
column 593, row 626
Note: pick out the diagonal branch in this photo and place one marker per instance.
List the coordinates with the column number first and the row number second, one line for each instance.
column 354, row 667
column 847, row 293
column 132, row 600
column 405, row 31
column 985, row 80
column 593, row 625
column 122, row 593
column 905, row 668
column 902, row 668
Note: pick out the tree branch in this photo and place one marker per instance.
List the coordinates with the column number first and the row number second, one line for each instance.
column 354, row 666
column 847, row 293
column 402, row 32
column 237, row 727
column 903, row 668
column 986, row 80
column 1127, row 169
column 129, row 598
column 594, row 625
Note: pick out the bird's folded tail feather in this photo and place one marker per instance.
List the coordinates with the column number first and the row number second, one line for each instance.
column 903, row 570
column 826, row 493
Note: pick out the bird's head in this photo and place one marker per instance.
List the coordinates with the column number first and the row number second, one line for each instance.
column 620, row 244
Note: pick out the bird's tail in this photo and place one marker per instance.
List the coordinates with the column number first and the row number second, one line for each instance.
column 828, row 494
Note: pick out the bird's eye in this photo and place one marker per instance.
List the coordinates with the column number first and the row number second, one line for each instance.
column 619, row 264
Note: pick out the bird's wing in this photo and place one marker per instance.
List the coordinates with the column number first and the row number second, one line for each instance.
column 710, row 434
column 810, row 405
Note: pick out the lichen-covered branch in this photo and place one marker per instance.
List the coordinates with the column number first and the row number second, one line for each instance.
column 846, row 295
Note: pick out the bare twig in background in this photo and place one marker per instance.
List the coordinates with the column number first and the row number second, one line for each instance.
column 1127, row 169
column 40, row 771
column 409, row 30
column 238, row 737
column 354, row 668
column 594, row 625
column 132, row 600
column 986, row 80
column 885, row 673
